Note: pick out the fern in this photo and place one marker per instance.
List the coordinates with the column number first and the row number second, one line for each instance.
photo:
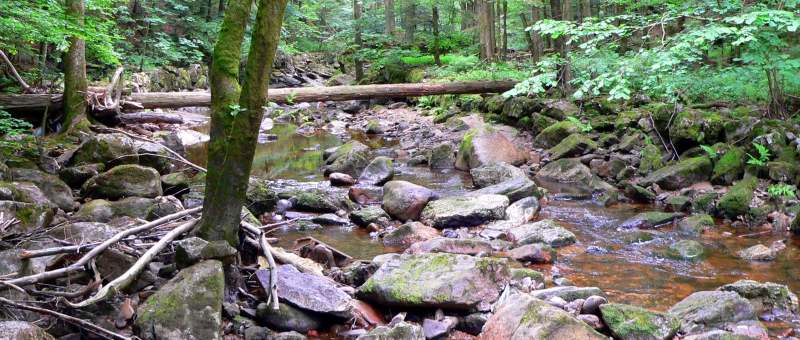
column 584, row 127
column 782, row 191
column 763, row 156
column 710, row 151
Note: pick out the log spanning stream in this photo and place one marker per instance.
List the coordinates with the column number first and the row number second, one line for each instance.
column 629, row 266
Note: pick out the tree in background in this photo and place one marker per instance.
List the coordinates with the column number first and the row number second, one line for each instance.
column 75, row 83
column 236, row 112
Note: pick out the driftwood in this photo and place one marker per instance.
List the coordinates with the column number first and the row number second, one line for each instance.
column 166, row 100
column 88, row 257
column 83, row 324
column 150, row 117
column 130, row 275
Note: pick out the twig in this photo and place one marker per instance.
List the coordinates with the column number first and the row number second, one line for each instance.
column 25, row 87
column 27, row 254
column 70, row 319
column 122, row 281
column 83, row 261
column 273, row 268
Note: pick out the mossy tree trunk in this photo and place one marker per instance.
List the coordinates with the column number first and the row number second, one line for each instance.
column 357, row 62
column 75, row 82
column 236, row 112
column 389, row 21
column 435, row 23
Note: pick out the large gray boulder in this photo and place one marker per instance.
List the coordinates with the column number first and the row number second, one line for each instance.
column 766, row 297
column 582, row 183
column 522, row 211
column 51, row 186
column 22, row 330
column 515, row 189
column 311, row 292
column 456, row 212
column 124, row 181
column 521, row 316
column 486, row 145
column 24, row 192
column 409, row 233
column 112, row 148
column 544, row 231
column 464, row 246
column 708, row 310
column 31, row 216
column 494, row 173
column 438, row 280
column 189, row 306
column 401, row 330
column 287, row 318
column 404, row 200
column 350, row 158
column 379, row 171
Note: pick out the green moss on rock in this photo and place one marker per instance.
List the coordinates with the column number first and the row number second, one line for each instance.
column 736, row 202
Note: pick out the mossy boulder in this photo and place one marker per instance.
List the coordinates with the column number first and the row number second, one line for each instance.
column 77, row 175
column 31, row 216
column 369, row 214
column 766, row 297
column 486, row 145
column 438, row 281
column 781, row 171
column 111, row 149
column 455, row 212
column 627, row 119
column 680, row 175
column 260, row 197
column 519, row 107
column 123, row 181
column 708, row 310
column 695, row 224
column 538, row 122
column 442, row 156
column 695, row 127
column 350, row 158
column 321, row 200
column 559, row 108
column 401, row 330
column 573, row 146
column 24, row 192
column 100, row 210
column 650, row 159
column 521, row 316
column 736, row 202
column 686, row 250
column 635, row 323
column 495, row 104
column 287, row 318
column 730, row 167
column 554, row 134
column 51, row 186
column 465, row 246
column 189, row 306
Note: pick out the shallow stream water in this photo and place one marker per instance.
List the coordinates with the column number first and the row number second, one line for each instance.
column 629, row 272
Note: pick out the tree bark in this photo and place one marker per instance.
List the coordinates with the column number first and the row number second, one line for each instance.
column 389, row 17
column 505, row 29
column 486, row 29
column 236, row 115
column 566, row 64
column 357, row 63
column 586, row 9
column 13, row 71
column 538, row 42
column 167, row 100
column 528, row 39
column 75, row 82
column 409, row 22
column 435, row 24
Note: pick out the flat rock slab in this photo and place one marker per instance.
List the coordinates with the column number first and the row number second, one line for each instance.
column 311, row 292
column 440, row 280
column 544, row 231
column 708, row 310
column 456, row 212
column 568, row 293
column 521, row 316
column 515, row 189
column 452, row 246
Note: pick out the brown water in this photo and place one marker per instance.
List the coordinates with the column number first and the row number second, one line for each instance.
column 635, row 273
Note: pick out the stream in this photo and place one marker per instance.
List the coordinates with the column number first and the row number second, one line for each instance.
column 629, row 265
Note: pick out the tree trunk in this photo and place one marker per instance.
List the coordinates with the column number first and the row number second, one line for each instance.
column 528, row 39
column 486, row 30
column 536, row 15
column 389, row 17
column 75, row 82
column 777, row 107
column 221, row 8
column 435, row 24
column 35, row 103
column 236, row 115
column 566, row 64
column 505, row 29
column 409, row 22
column 357, row 63
column 586, row 9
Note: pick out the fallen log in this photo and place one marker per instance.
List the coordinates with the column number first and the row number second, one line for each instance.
column 170, row 100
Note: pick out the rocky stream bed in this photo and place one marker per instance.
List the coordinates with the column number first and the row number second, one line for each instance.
column 414, row 226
